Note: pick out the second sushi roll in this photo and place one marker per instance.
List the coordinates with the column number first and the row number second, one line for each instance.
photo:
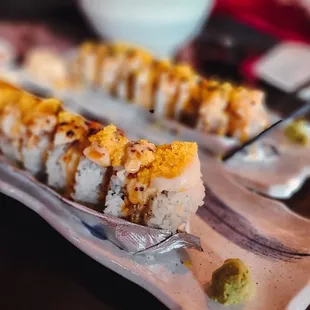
column 175, row 91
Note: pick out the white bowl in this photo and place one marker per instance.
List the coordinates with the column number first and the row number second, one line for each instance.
column 159, row 25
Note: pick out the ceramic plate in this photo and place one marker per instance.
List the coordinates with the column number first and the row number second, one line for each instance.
column 273, row 241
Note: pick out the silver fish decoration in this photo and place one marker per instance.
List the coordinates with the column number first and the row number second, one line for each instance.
column 130, row 237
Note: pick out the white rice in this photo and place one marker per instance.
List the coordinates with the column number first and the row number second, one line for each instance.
column 88, row 180
column 56, row 177
column 7, row 123
column 160, row 104
column 33, row 158
column 9, row 149
column 170, row 210
column 115, row 197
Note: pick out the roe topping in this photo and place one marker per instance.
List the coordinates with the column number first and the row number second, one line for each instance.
column 113, row 140
column 170, row 161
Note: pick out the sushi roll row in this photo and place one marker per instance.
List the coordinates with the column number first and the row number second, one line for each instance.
column 171, row 91
column 158, row 186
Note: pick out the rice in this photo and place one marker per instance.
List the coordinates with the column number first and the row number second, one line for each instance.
column 56, row 177
column 122, row 90
column 9, row 148
column 7, row 123
column 34, row 155
column 88, row 182
column 115, row 197
column 170, row 210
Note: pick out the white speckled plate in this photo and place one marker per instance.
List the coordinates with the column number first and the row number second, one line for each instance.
column 274, row 242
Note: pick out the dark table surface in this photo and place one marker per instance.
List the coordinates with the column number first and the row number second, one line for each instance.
column 39, row 269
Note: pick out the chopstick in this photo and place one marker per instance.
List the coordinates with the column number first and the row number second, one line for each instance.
column 299, row 112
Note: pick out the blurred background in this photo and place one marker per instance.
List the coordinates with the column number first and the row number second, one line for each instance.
column 221, row 37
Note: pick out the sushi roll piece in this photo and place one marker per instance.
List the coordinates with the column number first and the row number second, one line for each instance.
column 102, row 52
column 110, row 67
column 85, row 66
column 188, row 99
column 135, row 61
column 70, row 129
column 159, row 187
column 46, row 67
column 15, row 104
column 40, row 123
column 146, row 83
column 213, row 117
column 70, row 139
column 247, row 113
column 95, row 168
column 155, row 186
column 168, row 90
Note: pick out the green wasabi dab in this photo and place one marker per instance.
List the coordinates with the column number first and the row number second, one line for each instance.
column 231, row 283
column 297, row 133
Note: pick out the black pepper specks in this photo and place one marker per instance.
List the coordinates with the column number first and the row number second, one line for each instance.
column 70, row 133
column 92, row 131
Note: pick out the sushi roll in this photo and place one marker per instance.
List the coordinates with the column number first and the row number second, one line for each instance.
column 248, row 114
column 156, row 186
column 39, row 123
column 15, row 104
column 175, row 91
column 135, row 60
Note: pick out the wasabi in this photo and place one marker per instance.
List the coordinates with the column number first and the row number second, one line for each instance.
column 298, row 132
column 231, row 283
